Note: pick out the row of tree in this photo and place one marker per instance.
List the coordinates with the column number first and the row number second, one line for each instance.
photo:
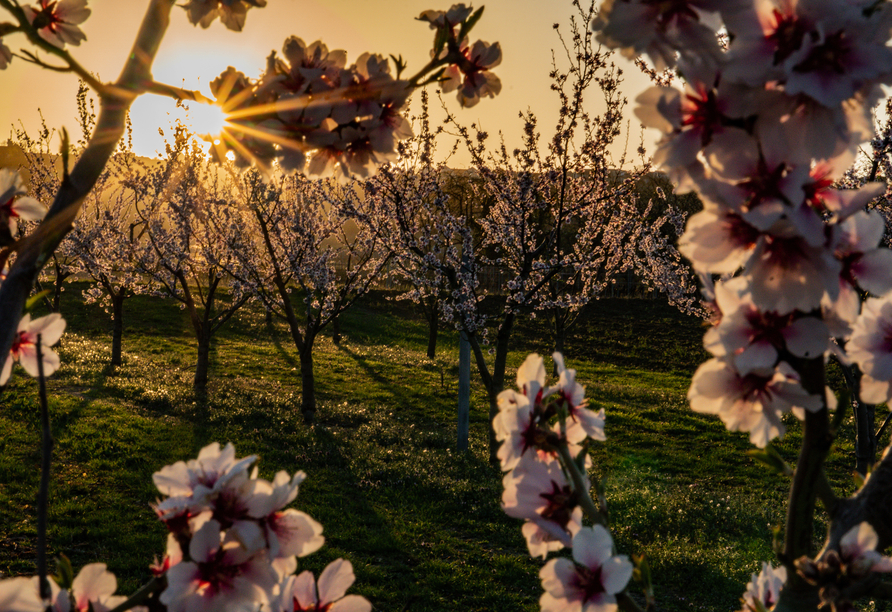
column 561, row 224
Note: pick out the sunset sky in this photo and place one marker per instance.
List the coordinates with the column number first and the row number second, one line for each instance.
column 192, row 57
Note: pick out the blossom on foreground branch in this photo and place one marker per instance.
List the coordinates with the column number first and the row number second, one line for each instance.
column 770, row 115
column 311, row 111
column 46, row 331
column 544, row 433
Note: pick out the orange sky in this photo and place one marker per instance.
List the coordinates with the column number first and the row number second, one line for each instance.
column 192, row 57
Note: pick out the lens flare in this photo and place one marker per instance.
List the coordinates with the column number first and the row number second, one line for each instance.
column 206, row 119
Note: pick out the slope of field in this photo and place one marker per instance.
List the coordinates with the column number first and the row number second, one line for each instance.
column 420, row 521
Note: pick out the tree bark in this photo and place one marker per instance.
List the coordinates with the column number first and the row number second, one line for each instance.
column 308, row 383
column 864, row 415
column 336, row 330
column 497, row 382
column 432, row 330
column 117, row 327
column 200, row 385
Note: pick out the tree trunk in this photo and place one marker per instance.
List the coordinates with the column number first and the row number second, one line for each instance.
column 117, row 327
column 200, row 385
column 864, row 414
column 308, row 388
column 560, row 336
column 498, row 382
column 335, row 332
column 432, row 329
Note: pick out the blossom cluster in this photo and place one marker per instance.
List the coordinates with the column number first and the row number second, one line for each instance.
column 533, row 424
column 310, row 110
column 775, row 100
column 761, row 131
column 232, row 546
column 92, row 590
column 232, row 543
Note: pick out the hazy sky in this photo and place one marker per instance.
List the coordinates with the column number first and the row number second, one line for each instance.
column 192, row 57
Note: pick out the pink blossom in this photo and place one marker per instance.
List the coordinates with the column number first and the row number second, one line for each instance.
column 24, row 345
column 752, row 337
column 303, row 593
column 12, row 205
column 540, row 493
column 22, row 595
column 221, row 575
column 718, row 240
column 573, row 396
column 451, row 18
column 857, row 549
column 209, row 471
column 754, row 402
column 93, row 589
column 659, row 28
column 763, row 590
column 471, row 76
column 871, row 348
column 56, row 21
column 787, row 273
column 856, row 245
column 231, row 12
column 515, row 427
column 590, row 582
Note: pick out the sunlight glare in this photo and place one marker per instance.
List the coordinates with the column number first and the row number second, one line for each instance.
column 205, row 119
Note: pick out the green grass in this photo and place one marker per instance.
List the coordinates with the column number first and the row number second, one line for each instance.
column 420, row 521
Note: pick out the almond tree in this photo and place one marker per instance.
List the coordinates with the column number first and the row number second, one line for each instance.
column 103, row 244
column 42, row 167
column 559, row 224
column 180, row 205
column 290, row 239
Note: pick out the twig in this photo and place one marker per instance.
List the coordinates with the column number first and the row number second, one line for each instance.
column 43, row 492
column 585, row 498
column 177, row 93
column 73, row 65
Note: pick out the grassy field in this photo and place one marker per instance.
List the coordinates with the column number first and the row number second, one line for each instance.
column 420, row 521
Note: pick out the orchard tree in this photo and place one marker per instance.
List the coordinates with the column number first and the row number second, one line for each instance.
column 559, row 224
column 104, row 245
column 182, row 209
column 43, row 169
column 293, row 247
column 418, row 224
column 242, row 553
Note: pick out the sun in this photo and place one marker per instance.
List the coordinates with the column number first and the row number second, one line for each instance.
column 205, row 119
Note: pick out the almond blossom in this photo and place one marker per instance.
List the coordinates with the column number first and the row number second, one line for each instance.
column 540, row 493
column 231, row 12
column 49, row 329
column 302, row 593
column 22, row 594
column 857, row 550
column 590, row 582
column 763, row 590
column 753, row 402
column 14, row 204
column 221, row 575
column 93, row 589
column 472, row 77
column 56, row 21
column 871, row 348
column 451, row 18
